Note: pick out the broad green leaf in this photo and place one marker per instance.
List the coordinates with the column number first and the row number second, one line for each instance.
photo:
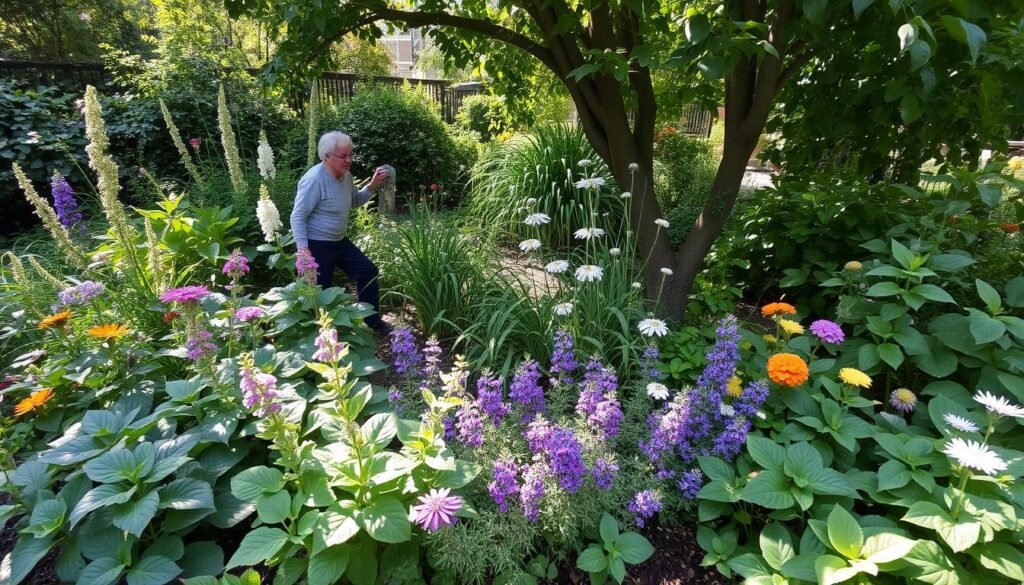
column 814, row 10
column 1004, row 558
column 884, row 289
column 251, row 483
column 113, row 466
column 154, row 570
column 828, row 481
column 893, row 475
column 103, row 571
column 258, row 546
column 967, row 33
column 939, row 361
column 903, row 255
column 766, row 452
column 950, row 262
column 719, row 491
column 609, row 528
column 831, row 569
column 890, row 354
column 959, row 535
column 697, row 28
column 99, row 496
column 716, row 469
column 859, row 6
column 380, row 429
column 633, row 547
column 933, row 293
column 845, row 533
column 386, row 520
column 134, row 517
column 27, row 552
column 202, row 558
column 47, row 516
column 617, row 569
column 1015, row 292
column 801, row 566
column 592, row 560
column 776, row 545
column 989, row 296
column 749, row 565
column 186, row 494
column 985, row 329
column 337, row 525
column 327, row 566
column 931, row 565
column 770, row 489
column 886, row 547
column 273, row 508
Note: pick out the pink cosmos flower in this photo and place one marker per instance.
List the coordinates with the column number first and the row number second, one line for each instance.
column 437, row 509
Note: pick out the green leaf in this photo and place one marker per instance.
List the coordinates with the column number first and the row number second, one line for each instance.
column 830, row 482
column 327, row 566
column 910, row 109
column 380, row 429
column 100, row 572
column 258, row 546
column 886, row 547
column 617, row 569
column 187, row 494
column 845, row 533
column 766, row 452
column 697, row 28
column 967, row 33
column 134, row 517
column 985, row 329
column 273, row 508
column 1003, row 558
column 814, row 10
column 959, row 535
column 949, row 262
column 337, row 525
column 859, row 6
column 609, row 528
column 989, row 296
column 99, row 496
column 893, row 475
column 933, row 293
column 154, row 570
column 776, row 545
column 890, row 354
column 633, row 547
column 718, row 491
column 749, row 565
column 251, row 483
column 112, row 466
column 47, row 517
column 386, row 520
column 592, row 560
column 770, row 489
column 1015, row 292
column 27, row 552
column 931, row 565
column 202, row 558
column 939, row 361
column 884, row 289
column 903, row 255
column 716, row 469
column 831, row 569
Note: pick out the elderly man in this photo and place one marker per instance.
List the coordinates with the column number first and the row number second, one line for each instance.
column 323, row 201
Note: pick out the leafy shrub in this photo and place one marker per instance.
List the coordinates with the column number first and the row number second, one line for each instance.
column 684, row 168
column 544, row 165
column 484, row 114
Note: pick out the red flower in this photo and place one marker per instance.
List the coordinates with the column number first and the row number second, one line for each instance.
column 1009, row 228
column 433, row 186
column 170, row 316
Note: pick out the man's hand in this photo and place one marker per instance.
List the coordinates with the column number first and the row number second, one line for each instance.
column 379, row 177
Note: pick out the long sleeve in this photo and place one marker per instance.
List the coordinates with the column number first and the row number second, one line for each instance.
column 306, row 199
column 360, row 197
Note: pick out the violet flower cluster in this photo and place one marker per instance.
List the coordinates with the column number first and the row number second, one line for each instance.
column 81, row 293
column 533, row 490
column 259, row 390
column 504, row 488
column 649, row 362
column 470, row 425
column 828, row 331
column 604, row 473
column 306, row 266
column 328, row 349
column 200, row 345
column 246, row 314
column 597, row 399
column 561, row 450
column 525, row 390
column 644, row 506
column 489, row 398
column 236, row 266
column 185, row 295
column 407, row 357
column 563, row 358
column 64, row 203
column 431, row 362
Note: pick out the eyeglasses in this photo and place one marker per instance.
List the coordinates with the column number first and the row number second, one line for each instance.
column 341, row 156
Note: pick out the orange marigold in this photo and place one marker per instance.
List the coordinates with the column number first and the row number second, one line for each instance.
column 55, row 320
column 109, row 331
column 772, row 309
column 34, row 401
column 787, row 369
column 1009, row 228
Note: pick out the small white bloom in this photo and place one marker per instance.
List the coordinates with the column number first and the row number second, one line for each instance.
column 657, row 391
column 587, row 233
column 84, row 17
column 590, row 183
column 268, row 216
column 999, row 405
column 585, row 163
column 634, row 167
column 625, row 195
column 563, row 309
column 666, row 271
column 614, row 252
column 589, row 273
column 652, row 327
column 557, row 266
column 662, row 222
column 537, row 219
column 531, row 200
column 32, row 138
column 265, row 159
column 636, row 285
column 960, row 423
column 974, row 455
column 726, row 409
column 529, row 245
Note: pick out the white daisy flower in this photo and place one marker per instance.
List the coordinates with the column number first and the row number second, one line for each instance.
column 974, row 455
column 614, row 252
column 537, row 219
column 999, row 405
column 585, row 163
column 563, row 309
column 657, row 391
column 589, row 273
column 529, row 245
column 666, row 271
column 531, row 200
column 634, row 167
column 557, row 267
column 636, row 285
column 726, row 409
column 662, row 222
column 590, row 183
column 587, row 233
column 652, row 327
column 960, row 423
column 625, row 195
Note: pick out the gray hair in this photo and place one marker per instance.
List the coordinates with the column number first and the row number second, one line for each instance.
column 331, row 140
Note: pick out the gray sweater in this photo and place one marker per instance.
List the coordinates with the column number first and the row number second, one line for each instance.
column 322, row 205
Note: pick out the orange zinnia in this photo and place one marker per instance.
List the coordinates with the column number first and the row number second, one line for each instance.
column 787, row 369
column 55, row 320
column 778, row 309
column 109, row 331
column 34, row 401
column 1009, row 228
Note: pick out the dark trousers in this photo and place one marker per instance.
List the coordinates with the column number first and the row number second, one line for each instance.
column 347, row 256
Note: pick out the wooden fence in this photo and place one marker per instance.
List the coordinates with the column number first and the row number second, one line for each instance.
column 332, row 86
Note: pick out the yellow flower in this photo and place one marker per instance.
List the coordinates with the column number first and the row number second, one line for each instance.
column 1016, row 163
column 853, row 266
column 55, row 320
column 109, row 331
column 855, row 377
column 735, row 387
column 34, row 401
column 770, row 338
column 791, row 327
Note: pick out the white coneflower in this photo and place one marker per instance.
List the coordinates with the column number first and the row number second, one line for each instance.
column 563, row 309
column 657, row 391
column 265, row 158
column 587, row 233
column 652, row 327
column 585, row 163
column 634, row 167
column 636, row 285
column 529, row 245
column 266, row 213
column 589, row 273
column 625, row 195
column 999, row 405
column 590, row 183
column 662, row 222
column 614, row 252
column 557, row 266
column 974, row 455
column 960, row 423
column 537, row 219
column 666, row 271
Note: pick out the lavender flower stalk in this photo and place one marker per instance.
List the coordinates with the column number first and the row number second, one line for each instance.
column 64, row 203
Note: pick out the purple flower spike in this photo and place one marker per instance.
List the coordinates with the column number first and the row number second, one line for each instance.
column 64, row 203
column 505, row 487
column 403, row 347
column 533, row 490
column 306, row 266
column 525, row 390
column 488, row 399
column 259, row 390
column 604, row 473
column 644, row 506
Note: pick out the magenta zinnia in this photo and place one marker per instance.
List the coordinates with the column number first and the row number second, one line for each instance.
column 437, row 509
column 185, row 294
column 828, row 331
